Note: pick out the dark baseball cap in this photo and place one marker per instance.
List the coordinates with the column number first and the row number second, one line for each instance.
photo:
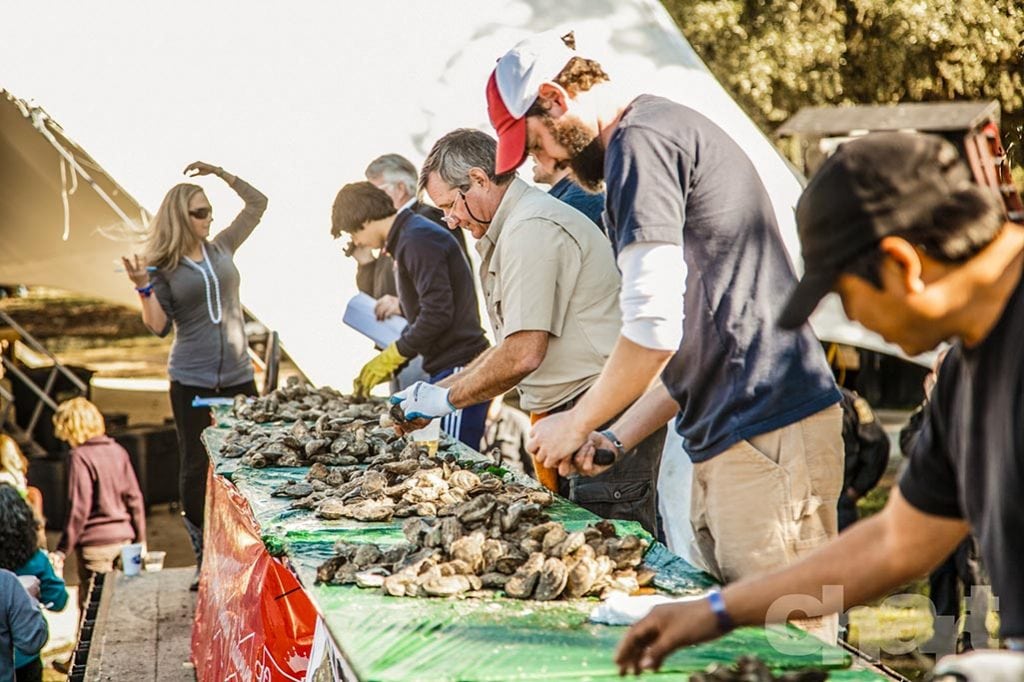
column 871, row 187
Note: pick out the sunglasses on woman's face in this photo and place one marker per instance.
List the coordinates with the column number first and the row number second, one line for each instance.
column 201, row 213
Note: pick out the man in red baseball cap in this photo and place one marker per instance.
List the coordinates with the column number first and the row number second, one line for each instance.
column 702, row 266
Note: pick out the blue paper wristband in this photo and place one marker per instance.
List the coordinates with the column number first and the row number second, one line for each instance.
column 717, row 605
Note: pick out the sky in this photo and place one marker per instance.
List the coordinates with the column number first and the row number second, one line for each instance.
column 297, row 98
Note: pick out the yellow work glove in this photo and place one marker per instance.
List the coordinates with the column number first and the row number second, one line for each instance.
column 378, row 370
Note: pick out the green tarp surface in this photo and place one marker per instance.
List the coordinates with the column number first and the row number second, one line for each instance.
column 394, row 638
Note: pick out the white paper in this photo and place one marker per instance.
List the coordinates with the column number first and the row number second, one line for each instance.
column 623, row 609
column 360, row 316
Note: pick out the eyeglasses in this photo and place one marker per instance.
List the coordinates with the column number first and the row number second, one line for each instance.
column 201, row 213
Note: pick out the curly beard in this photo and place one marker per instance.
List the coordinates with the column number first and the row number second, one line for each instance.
column 586, row 151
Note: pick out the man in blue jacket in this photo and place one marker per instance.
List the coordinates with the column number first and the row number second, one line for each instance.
column 435, row 290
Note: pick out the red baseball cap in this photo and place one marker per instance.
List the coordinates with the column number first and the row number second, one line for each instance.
column 512, row 89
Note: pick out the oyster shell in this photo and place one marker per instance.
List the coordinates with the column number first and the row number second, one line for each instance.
column 477, row 509
column 332, row 508
column 553, row 577
column 524, row 580
column 469, row 549
column 448, row 585
column 581, row 577
column 371, row 577
column 293, row 489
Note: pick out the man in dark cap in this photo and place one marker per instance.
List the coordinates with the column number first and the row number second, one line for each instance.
column 921, row 255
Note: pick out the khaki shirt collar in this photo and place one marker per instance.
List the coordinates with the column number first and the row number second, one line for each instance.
column 487, row 243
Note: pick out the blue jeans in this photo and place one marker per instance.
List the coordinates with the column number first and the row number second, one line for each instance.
column 467, row 423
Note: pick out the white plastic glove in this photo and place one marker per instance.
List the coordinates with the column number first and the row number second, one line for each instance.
column 423, row 401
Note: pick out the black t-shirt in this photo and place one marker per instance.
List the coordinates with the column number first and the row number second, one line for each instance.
column 968, row 459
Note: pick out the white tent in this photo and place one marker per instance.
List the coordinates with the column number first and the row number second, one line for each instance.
column 296, row 99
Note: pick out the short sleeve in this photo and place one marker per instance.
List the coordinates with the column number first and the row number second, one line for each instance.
column 929, row 482
column 647, row 181
column 162, row 291
column 539, row 269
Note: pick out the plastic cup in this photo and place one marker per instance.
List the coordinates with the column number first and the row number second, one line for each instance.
column 429, row 436
column 154, row 561
column 131, row 559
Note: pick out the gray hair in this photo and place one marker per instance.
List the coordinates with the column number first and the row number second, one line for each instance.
column 393, row 169
column 458, row 152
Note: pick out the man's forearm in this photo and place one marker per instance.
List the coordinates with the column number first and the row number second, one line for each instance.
column 627, row 374
column 467, row 371
column 889, row 549
column 502, row 369
column 491, row 380
column 646, row 416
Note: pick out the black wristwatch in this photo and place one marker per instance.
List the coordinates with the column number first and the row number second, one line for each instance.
column 620, row 451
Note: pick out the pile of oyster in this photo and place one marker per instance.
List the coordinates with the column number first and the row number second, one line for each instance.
column 337, row 439
column 297, row 400
column 408, row 483
column 490, row 545
column 753, row 669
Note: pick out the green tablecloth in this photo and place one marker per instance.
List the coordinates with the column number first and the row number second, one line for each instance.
column 391, row 638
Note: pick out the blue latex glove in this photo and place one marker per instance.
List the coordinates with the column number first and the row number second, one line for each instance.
column 423, row 401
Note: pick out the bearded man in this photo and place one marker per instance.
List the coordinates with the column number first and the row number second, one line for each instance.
column 694, row 229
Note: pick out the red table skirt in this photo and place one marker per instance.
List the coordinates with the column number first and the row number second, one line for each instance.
column 253, row 620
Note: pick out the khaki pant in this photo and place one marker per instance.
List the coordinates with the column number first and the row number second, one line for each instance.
column 95, row 559
column 766, row 502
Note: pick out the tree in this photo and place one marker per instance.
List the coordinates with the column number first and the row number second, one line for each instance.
column 776, row 56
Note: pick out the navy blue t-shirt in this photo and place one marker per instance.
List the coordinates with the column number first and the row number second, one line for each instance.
column 436, row 291
column 968, row 458
column 673, row 176
column 583, row 201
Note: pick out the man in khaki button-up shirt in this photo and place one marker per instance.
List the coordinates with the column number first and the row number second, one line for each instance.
column 551, row 287
column 545, row 267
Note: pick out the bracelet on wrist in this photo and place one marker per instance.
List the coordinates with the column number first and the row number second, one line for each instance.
column 145, row 291
column 717, row 604
column 620, row 451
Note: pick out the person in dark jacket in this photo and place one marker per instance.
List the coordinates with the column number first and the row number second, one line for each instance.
column 436, row 292
column 867, row 454
column 375, row 276
column 395, row 176
column 23, row 629
column 106, row 511
column 20, row 554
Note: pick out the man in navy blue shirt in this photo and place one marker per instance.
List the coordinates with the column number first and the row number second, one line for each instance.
column 435, row 291
column 694, row 230
column 564, row 188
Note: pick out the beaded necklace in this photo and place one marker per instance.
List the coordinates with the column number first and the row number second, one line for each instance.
column 214, row 318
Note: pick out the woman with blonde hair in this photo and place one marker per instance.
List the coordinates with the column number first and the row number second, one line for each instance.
column 106, row 510
column 189, row 282
column 14, row 472
column 13, row 465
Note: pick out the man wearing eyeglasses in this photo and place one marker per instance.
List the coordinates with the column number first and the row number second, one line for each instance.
column 551, row 288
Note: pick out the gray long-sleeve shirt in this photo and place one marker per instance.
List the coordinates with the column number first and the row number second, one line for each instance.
column 205, row 353
column 22, row 625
